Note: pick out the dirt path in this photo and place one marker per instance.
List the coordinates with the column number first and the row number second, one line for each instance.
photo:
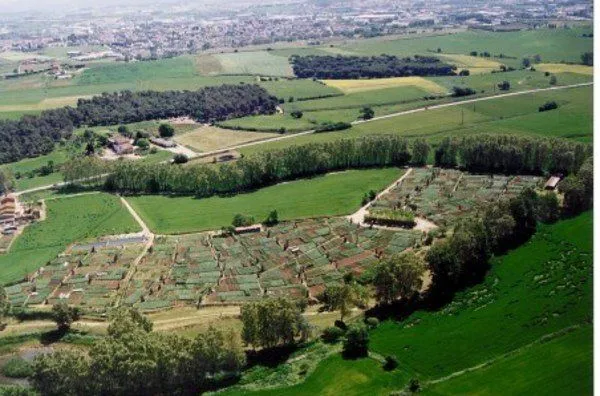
column 145, row 229
column 358, row 217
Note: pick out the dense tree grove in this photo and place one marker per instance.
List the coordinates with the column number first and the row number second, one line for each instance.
column 464, row 257
column 578, row 189
column 399, row 276
column 132, row 360
column 36, row 135
column 512, row 154
column 477, row 153
column 272, row 322
column 352, row 67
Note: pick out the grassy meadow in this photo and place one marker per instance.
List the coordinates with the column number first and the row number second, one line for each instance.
column 69, row 220
column 328, row 195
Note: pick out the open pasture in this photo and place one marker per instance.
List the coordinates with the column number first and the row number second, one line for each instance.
column 475, row 64
column 560, row 366
column 328, row 195
column 563, row 68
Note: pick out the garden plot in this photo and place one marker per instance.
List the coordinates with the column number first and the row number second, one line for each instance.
column 293, row 259
column 176, row 271
column 443, row 195
column 89, row 279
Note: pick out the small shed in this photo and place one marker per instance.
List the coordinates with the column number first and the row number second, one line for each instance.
column 248, row 229
column 552, row 183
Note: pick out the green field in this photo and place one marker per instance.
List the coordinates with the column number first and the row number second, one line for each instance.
column 298, row 88
column 384, row 101
column 255, row 63
column 561, row 366
column 512, row 115
column 69, row 219
column 530, row 321
column 335, row 376
column 329, row 195
column 543, row 287
column 553, row 45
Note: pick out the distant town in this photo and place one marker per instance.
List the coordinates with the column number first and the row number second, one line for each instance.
column 129, row 34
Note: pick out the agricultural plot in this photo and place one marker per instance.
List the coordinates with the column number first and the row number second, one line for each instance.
column 88, row 279
column 517, row 115
column 564, row 68
column 444, row 195
column 294, row 259
column 475, row 65
column 209, row 138
column 254, row 63
column 553, row 45
column 69, row 220
column 361, row 85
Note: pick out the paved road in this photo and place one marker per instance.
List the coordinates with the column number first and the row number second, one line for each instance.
column 401, row 113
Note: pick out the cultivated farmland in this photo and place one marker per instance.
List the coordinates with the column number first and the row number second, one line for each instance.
column 69, row 220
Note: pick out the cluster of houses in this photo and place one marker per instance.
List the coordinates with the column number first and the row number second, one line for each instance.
column 121, row 145
column 8, row 215
column 13, row 215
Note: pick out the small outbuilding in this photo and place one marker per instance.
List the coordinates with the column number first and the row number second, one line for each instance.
column 552, row 183
column 248, row 229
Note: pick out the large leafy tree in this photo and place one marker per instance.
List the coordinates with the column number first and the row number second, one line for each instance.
column 400, row 276
column 344, row 296
column 271, row 322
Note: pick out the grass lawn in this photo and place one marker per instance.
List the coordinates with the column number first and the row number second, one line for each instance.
column 562, row 366
column 329, row 195
column 69, row 219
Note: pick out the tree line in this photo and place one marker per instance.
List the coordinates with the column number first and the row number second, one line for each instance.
column 32, row 136
column 353, row 67
column 134, row 360
column 477, row 153
column 512, row 154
